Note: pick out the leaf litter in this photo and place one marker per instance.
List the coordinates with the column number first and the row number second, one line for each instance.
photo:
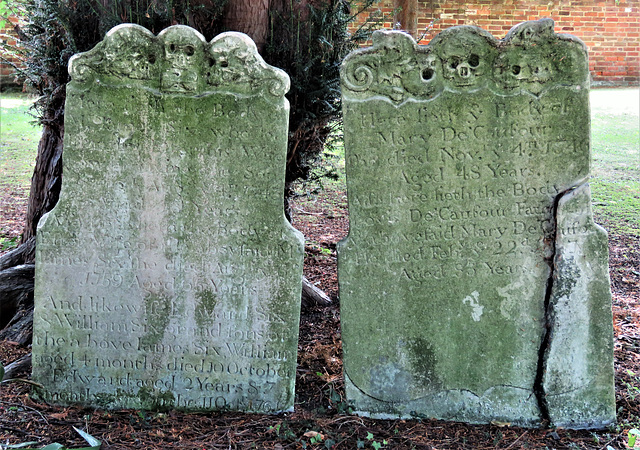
column 322, row 417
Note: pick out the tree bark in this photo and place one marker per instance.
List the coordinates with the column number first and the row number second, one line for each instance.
column 47, row 176
column 249, row 17
column 18, row 366
column 24, row 254
column 311, row 295
column 16, row 281
column 407, row 15
column 20, row 328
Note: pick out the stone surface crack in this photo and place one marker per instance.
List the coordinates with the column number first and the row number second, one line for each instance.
column 548, row 321
column 346, row 375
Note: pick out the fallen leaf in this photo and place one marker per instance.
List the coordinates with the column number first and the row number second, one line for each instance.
column 313, row 434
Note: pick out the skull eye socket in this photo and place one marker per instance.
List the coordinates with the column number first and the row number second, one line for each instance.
column 474, row 60
column 172, row 47
column 427, row 74
column 453, row 63
column 151, row 58
column 224, row 64
column 189, row 50
column 515, row 70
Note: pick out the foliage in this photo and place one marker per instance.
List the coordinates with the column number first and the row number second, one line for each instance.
column 318, row 31
column 5, row 12
column 632, row 436
column 374, row 444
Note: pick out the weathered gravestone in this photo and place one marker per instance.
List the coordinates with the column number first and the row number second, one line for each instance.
column 473, row 282
column 167, row 275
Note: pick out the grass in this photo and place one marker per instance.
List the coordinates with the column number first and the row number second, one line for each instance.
column 18, row 141
column 615, row 144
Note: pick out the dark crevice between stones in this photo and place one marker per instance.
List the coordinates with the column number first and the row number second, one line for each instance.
column 547, row 332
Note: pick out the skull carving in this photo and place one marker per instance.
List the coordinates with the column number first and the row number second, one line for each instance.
column 421, row 78
column 184, row 53
column 231, row 58
column 461, row 68
column 466, row 59
column 131, row 52
column 526, row 69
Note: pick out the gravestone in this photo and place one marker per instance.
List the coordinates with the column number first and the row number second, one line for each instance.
column 474, row 283
column 167, row 275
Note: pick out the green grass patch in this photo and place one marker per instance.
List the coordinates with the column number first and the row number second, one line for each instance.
column 18, row 140
column 8, row 243
column 618, row 203
column 615, row 144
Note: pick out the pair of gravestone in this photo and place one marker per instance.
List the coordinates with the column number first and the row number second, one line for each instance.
column 473, row 282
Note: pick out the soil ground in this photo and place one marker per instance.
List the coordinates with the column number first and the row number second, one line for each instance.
column 321, row 418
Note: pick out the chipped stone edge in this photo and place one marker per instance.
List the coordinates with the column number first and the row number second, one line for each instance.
column 365, row 405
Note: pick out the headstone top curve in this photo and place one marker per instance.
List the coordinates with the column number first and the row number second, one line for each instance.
column 178, row 60
column 532, row 58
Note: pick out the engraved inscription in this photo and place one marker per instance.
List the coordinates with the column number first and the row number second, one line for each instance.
column 453, row 189
column 167, row 273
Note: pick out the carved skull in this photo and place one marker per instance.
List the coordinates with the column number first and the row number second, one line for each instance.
column 466, row 59
column 422, row 79
column 526, row 69
column 131, row 52
column 184, row 53
column 231, row 59
column 461, row 68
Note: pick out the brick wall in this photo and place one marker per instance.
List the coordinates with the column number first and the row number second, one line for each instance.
column 610, row 29
column 7, row 37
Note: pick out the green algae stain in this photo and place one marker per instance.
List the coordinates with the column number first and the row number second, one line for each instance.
column 158, row 308
column 105, row 400
column 423, row 362
column 155, row 399
column 206, row 302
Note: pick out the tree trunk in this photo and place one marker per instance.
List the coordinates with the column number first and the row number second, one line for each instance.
column 16, row 281
column 47, row 176
column 406, row 15
column 250, row 17
column 16, row 287
column 24, row 254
